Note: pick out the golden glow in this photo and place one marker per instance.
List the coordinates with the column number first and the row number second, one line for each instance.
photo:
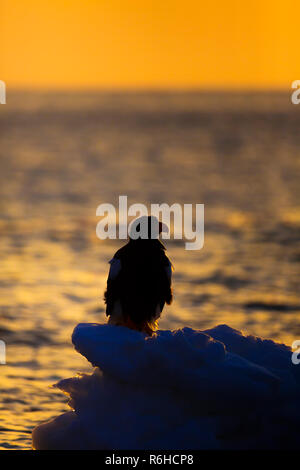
column 148, row 43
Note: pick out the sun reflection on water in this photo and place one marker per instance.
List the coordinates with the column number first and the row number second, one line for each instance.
column 59, row 164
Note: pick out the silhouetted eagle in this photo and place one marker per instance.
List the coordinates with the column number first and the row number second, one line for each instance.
column 139, row 280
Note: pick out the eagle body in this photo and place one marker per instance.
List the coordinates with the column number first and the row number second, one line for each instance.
column 138, row 284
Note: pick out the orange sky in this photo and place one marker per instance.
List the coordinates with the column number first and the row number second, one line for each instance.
column 149, row 43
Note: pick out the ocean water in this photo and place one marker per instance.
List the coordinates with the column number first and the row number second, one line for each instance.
column 64, row 154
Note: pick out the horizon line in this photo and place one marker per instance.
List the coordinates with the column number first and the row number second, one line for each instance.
column 131, row 89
